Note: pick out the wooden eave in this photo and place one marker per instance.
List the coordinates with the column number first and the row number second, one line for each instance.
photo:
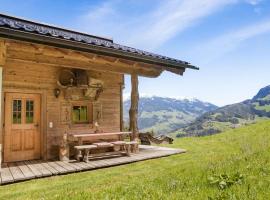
column 114, row 55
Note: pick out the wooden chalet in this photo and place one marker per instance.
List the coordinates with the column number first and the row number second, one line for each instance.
column 56, row 81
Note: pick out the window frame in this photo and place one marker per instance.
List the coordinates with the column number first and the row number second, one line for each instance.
column 18, row 111
column 89, row 106
column 26, row 111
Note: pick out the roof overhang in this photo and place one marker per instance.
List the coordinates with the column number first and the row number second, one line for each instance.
column 24, row 30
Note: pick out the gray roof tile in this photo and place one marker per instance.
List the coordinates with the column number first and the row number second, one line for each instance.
column 56, row 32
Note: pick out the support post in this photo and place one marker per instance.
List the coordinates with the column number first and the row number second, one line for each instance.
column 2, row 63
column 1, row 118
column 133, row 112
column 122, row 86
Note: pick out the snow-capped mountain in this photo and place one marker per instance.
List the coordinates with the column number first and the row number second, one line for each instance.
column 163, row 114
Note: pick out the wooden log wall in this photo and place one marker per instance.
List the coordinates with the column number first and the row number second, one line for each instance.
column 34, row 77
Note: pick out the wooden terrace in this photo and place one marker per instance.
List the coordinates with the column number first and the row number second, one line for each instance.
column 27, row 170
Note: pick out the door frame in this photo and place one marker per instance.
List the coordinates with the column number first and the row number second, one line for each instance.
column 43, row 116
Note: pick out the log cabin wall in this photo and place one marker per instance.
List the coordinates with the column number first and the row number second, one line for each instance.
column 31, row 77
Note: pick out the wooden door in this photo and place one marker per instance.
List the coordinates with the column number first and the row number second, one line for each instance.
column 22, row 127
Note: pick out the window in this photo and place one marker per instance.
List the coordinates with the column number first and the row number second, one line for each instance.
column 17, row 111
column 80, row 114
column 29, row 114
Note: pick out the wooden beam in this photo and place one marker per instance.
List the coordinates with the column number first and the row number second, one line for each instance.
column 179, row 71
column 2, row 63
column 121, row 108
column 71, row 54
column 70, row 63
column 1, row 117
column 122, row 86
column 133, row 112
column 39, row 53
column 2, row 53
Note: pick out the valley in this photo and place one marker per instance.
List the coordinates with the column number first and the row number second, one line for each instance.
column 193, row 117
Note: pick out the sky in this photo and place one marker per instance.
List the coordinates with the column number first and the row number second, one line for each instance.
column 229, row 40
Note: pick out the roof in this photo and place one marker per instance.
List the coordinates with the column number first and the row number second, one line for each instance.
column 17, row 28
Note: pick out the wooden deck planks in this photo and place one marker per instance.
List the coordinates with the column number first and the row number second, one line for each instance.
column 99, row 163
column 41, row 168
column 51, row 169
column 82, row 165
column 69, row 168
column 27, row 172
column 91, row 165
column 110, row 162
column 33, row 168
column 6, row 176
column 57, row 167
column 14, row 172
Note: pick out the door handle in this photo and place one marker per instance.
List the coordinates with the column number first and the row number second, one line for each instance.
column 36, row 125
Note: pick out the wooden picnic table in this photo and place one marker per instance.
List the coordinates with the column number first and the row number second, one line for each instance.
column 100, row 140
column 95, row 136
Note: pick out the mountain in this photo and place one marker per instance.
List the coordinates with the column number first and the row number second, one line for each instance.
column 163, row 115
column 264, row 93
column 230, row 116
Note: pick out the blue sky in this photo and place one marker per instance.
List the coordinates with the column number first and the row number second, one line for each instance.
column 228, row 39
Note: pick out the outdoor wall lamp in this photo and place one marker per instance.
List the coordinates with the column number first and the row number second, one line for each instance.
column 57, row 92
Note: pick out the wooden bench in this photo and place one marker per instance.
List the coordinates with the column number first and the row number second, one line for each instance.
column 86, row 148
column 133, row 146
column 103, row 144
column 84, row 151
column 121, row 145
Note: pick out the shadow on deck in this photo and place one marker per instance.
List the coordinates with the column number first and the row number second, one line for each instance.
column 27, row 170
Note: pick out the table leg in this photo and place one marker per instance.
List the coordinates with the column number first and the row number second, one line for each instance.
column 80, row 142
column 78, row 155
column 127, row 147
column 86, row 155
column 137, row 148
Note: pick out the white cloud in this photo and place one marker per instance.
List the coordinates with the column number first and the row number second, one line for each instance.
column 172, row 18
column 126, row 96
column 254, row 2
column 228, row 42
column 152, row 28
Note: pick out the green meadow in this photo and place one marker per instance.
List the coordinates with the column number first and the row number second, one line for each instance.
column 231, row 165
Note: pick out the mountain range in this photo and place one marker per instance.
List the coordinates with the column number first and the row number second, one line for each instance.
column 164, row 115
column 193, row 117
column 230, row 116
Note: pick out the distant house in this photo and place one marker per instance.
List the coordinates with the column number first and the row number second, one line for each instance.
column 55, row 81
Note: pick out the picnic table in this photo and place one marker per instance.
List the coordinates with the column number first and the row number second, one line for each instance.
column 98, row 136
column 116, row 142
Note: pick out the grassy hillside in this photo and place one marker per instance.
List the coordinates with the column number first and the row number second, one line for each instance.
column 242, row 154
column 162, row 121
column 163, row 115
column 230, row 116
column 227, row 117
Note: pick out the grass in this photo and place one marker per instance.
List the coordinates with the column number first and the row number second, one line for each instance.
column 222, row 126
column 266, row 97
column 265, row 108
column 167, row 120
column 185, row 176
